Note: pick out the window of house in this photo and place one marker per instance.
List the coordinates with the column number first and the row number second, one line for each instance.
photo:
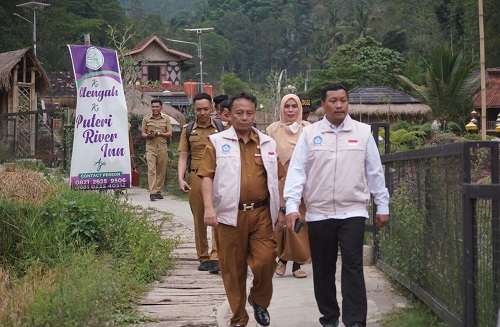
column 154, row 73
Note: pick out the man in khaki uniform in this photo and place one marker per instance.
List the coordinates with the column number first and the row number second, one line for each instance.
column 202, row 128
column 156, row 129
column 239, row 171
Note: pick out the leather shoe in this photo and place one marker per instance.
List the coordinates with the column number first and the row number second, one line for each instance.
column 214, row 267
column 355, row 324
column 261, row 315
column 205, row 266
column 159, row 196
column 335, row 324
column 152, row 197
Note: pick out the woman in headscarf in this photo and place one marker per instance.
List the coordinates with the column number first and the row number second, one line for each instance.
column 286, row 132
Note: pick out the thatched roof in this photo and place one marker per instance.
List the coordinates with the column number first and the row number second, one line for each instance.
column 389, row 109
column 8, row 60
column 384, row 101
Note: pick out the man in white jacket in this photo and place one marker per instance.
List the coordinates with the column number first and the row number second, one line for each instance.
column 239, row 172
column 335, row 166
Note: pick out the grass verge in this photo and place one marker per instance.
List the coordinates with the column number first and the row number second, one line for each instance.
column 73, row 258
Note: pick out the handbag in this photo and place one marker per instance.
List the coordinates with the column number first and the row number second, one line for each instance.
column 294, row 246
column 136, row 181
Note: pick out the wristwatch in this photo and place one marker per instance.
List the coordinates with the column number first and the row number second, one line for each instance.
column 283, row 209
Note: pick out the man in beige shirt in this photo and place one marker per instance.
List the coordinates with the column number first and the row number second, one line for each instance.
column 156, row 129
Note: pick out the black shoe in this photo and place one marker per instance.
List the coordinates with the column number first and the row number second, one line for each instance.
column 152, row 197
column 355, row 324
column 159, row 196
column 214, row 267
column 332, row 325
column 205, row 266
column 260, row 313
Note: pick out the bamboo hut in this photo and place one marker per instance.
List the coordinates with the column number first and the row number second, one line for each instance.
column 21, row 77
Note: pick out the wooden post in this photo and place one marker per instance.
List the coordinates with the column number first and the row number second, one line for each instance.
column 86, row 38
column 483, row 72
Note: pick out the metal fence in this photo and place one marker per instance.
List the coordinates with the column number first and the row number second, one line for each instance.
column 443, row 242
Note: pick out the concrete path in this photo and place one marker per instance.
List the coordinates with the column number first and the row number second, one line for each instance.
column 188, row 297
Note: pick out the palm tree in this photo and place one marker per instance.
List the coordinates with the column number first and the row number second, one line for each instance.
column 449, row 84
column 360, row 27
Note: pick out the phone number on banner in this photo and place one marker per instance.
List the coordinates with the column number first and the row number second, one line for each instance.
column 101, row 183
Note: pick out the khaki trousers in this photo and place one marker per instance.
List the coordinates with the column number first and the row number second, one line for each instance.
column 251, row 243
column 200, row 229
column 157, row 168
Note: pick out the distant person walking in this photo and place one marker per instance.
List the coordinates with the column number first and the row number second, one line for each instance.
column 335, row 166
column 240, row 192
column 192, row 147
column 156, row 129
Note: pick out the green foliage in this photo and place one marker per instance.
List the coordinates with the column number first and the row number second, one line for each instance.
column 401, row 245
column 449, row 84
column 402, row 139
column 102, row 254
column 232, row 84
column 416, row 315
column 364, row 63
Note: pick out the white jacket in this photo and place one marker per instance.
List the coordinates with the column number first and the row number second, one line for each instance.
column 227, row 179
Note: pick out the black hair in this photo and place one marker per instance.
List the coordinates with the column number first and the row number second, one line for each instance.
column 202, row 96
column 157, row 101
column 224, row 104
column 242, row 95
column 333, row 87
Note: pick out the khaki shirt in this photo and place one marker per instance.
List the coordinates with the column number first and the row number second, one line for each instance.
column 161, row 124
column 198, row 140
column 253, row 174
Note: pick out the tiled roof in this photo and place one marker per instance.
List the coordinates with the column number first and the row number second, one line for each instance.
column 154, row 38
column 379, row 95
column 492, row 90
column 62, row 84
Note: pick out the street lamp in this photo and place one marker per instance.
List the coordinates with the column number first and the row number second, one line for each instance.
column 34, row 6
column 200, row 31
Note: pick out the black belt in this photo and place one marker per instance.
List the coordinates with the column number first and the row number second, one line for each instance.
column 194, row 170
column 252, row 205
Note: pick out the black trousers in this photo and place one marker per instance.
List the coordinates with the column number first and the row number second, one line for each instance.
column 325, row 237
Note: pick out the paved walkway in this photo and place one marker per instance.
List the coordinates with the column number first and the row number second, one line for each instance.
column 188, row 297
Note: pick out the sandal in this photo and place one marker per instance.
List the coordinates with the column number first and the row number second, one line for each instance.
column 299, row 273
column 280, row 270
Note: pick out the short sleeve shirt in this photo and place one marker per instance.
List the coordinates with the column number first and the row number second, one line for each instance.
column 161, row 124
column 198, row 140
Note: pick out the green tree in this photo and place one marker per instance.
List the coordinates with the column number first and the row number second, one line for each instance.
column 449, row 84
column 363, row 63
column 231, row 84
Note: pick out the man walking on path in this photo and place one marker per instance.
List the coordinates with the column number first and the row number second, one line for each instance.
column 156, row 129
column 335, row 166
column 240, row 192
column 193, row 146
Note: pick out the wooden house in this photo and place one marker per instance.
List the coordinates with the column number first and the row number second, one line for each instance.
column 492, row 99
column 161, row 70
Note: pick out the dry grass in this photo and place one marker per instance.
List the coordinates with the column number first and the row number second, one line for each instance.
column 17, row 295
column 21, row 185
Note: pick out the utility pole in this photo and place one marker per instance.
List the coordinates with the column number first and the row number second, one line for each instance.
column 199, row 31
